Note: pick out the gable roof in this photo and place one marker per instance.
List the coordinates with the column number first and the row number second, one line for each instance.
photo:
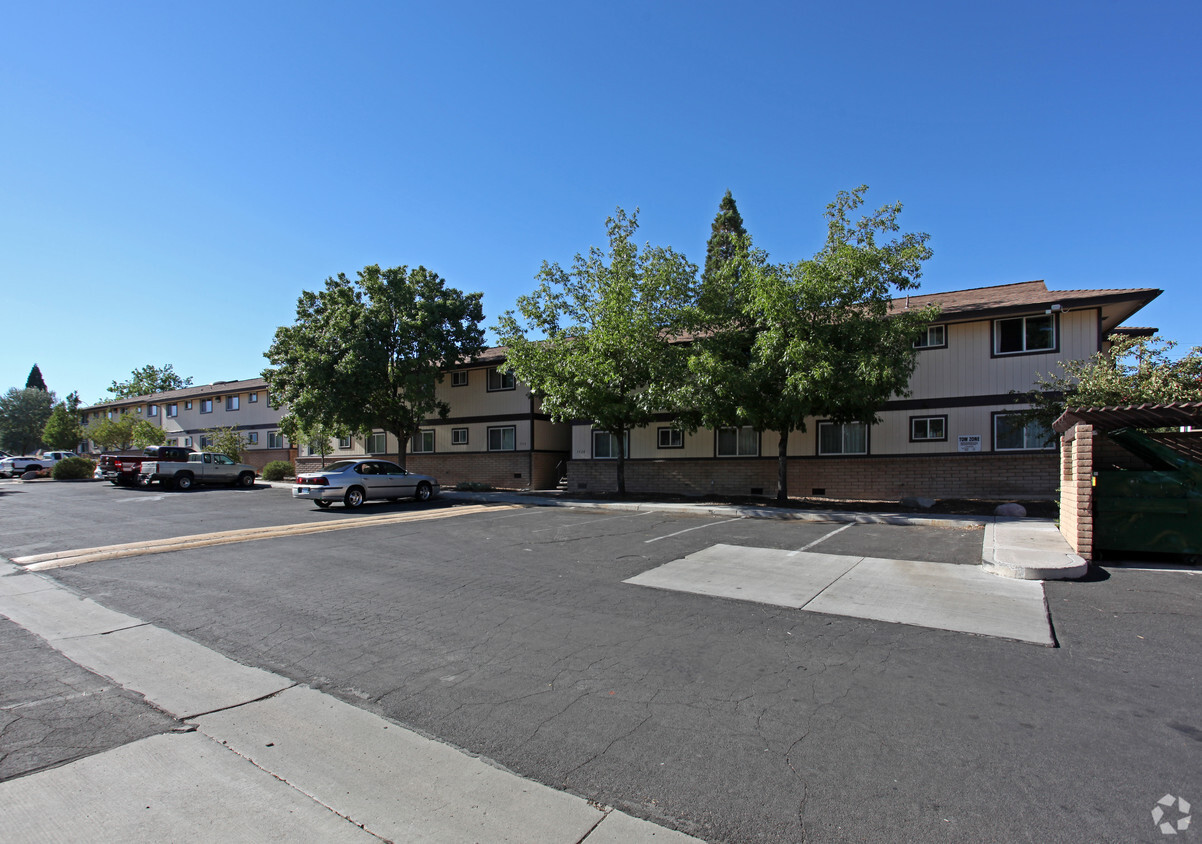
column 217, row 388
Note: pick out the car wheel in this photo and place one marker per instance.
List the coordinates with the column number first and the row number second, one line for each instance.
column 322, row 504
column 246, row 480
column 115, row 481
column 353, row 497
column 183, row 482
column 143, row 482
column 423, row 491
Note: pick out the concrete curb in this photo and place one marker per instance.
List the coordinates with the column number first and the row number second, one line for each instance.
column 1029, row 549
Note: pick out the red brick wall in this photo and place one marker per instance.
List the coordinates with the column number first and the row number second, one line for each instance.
column 1076, row 487
column 501, row 469
column 994, row 476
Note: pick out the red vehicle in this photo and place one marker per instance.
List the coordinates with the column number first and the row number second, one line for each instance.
column 122, row 468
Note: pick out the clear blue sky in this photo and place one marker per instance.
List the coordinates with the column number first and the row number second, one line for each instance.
column 173, row 175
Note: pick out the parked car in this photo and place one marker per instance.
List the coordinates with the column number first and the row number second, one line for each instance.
column 204, row 467
column 14, row 467
column 354, row 481
column 123, row 468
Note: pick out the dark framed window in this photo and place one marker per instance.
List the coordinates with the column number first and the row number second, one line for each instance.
column 935, row 337
column 187, row 405
column 925, row 429
column 275, row 439
column 605, row 445
column 344, row 442
column 153, row 410
column 502, row 439
column 423, row 443
column 459, row 436
column 254, row 397
column 172, row 410
column 670, row 438
column 206, row 405
column 498, row 380
column 377, row 443
column 842, row 438
column 1012, row 432
column 459, row 378
column 231, row 402
column 1025, row 335
column 738, row 442
column 204, row 441
column 253, row 437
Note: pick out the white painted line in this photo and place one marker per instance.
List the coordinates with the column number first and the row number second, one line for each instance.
column 822, row 538
column 699, row 527
column 592, row 521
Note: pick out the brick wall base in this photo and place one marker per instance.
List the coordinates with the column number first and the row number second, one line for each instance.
column 990, row 476
column 501, row 469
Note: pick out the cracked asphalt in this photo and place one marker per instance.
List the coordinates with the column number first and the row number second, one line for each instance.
column 511, row 635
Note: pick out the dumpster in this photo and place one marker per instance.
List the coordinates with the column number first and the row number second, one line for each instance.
column 1156, row 510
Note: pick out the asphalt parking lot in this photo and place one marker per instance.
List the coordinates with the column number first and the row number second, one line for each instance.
column 509, row 632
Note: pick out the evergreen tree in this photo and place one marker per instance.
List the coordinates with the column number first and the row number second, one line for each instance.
column 35, row 380
column 724, row 238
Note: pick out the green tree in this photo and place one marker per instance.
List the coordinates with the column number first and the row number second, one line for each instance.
column 23, row 418
column 226, row 441
column 596, row 339
column 780, row 344
column 369, row 353
column 63, row 430
column 316, row 434
column 147, row 380
column 124, row 431
column 35, row 380
column 1134, row 370
column 726, row 235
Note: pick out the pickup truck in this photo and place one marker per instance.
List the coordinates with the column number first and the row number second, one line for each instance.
column 123, row 468
column 203, row 467
column 15, row 467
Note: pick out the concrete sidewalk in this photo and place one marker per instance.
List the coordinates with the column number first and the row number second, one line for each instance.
column 257, row 757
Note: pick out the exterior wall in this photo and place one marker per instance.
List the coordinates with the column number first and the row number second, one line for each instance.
column 1076, row 488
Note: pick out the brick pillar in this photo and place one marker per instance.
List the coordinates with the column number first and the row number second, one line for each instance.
column 1076, row 488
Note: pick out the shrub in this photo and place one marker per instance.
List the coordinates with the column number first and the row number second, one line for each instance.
column 277, row 470
column 473, row 486
column 73, row 468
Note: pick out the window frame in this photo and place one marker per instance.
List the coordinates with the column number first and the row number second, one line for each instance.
column 670, row 431
column 455, row 436
column 459, row 378
column 371, row 440
column 593, row 443
column 206, row 405
column 993, row 432
column 941, row 417
column 995, row 335
column 344, row 442
column 502, row 378
column 233, row 403
column 187, row 405
column 738, row 429
column 252, row 398
column 842, row 440
column 422, row 435
column 927, row 336
column 172, row 410
column 152, row 410
column 500, row 429
column 252, row 437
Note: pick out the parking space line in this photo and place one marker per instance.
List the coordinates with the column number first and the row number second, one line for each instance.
column 698, row 527
column 593, row 521
column 822, row 538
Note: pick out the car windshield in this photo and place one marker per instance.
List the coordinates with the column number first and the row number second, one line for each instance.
column 340, row 466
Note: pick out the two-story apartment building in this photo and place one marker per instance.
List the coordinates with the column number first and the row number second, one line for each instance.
column 957, row 434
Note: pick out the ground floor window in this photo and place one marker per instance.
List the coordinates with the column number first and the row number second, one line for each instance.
column 605, row 445
column 1013, row 432
column 253, row 438
column 423, row 443
column 204, row 441
column 842, row 438
column 344, row 442
column 928, row 429
column 502, row 439
column 738, row 442
column 671, row 438
column 459, row 436
column 377, row 443
column 275, row 439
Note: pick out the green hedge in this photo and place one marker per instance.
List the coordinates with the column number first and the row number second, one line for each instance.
column 277, row 470
column 72, row 469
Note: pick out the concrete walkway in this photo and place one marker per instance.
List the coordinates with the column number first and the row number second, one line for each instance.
column 259, row 758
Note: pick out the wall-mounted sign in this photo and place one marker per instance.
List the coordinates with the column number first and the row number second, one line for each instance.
column 972, row 442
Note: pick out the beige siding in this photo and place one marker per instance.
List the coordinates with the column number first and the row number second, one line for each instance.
column 476, row 400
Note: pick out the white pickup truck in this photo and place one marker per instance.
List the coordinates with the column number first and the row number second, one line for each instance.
column 15, row 467
column 203, row 467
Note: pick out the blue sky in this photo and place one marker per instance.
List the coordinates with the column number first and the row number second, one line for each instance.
column 174, row 175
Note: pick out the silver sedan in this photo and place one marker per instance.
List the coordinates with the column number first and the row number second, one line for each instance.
column 354, row 481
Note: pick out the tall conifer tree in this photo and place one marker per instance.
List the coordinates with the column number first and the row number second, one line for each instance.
column 35, row 380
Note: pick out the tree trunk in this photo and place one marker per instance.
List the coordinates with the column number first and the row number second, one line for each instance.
column 621, row 462
column 782, row 468
column 402, row 441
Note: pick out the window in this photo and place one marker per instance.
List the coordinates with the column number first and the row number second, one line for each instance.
column 1024, row 334
column 498, row 380
column 275, row 439
column 187, row 442
column 173, row 410
column 187, row 405
column 605, row 445
column 138, row 410
column 846, row 438
column 172, row 442
column 935, row 337
column 206, row 405
column 377, row 443
column 204, row 442
column 231, row 402
column 928, row 429
column 423, row 443
column 459, row 436
column 344, row 442
column 254, row 397
column 738, row 442
column 153, row 410
column 253, row 437
column 459, row 378
column 1012, row 433
column 671, row 438
column 502, row 439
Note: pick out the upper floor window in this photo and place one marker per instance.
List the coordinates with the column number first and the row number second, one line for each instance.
column 935, row 337
column 842, row 438
column 459, row 378
column 231, row 402
column 738, row 442
column 173, row 410
column 498, row 380
column 206, row 405
column 423, row 443
column 1012, row 432
column 253, row 397
column 152, row 410
column 187, row 405
column 1024, row 334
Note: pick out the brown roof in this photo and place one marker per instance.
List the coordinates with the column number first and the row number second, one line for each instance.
column 1132, row 416
column 217, row 388
column 1023, row 296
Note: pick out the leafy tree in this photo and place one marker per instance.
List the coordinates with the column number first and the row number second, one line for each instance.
column 596, row 338
column 149, row 379
column 35, row 380
column 780, row 344
column 63, row 430
column 725, row 235
column 316, row 434
column 1134, row 370
column 226, row 441
column 123, row 432
column 23, row 417
column 368, row 353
